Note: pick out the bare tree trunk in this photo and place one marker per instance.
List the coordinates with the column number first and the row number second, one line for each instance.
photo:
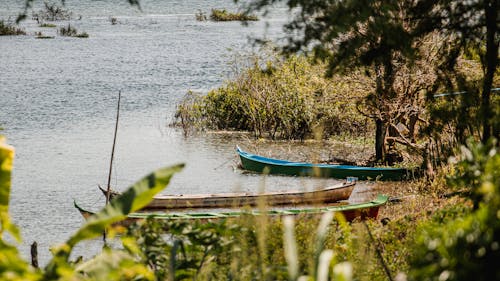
column 379, row 140
column 34, row 254
column 491, row 12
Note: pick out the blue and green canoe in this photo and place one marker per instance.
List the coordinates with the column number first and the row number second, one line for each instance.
column 261, row 164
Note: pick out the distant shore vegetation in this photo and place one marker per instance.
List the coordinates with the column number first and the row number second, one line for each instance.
column 225, row 15
column 52, row 12
column 40, row 35
column 71, row 31
column 7, row 28
column 48, row 25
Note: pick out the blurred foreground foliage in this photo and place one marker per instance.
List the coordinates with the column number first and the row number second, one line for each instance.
column 467, row 248
column 454, row 243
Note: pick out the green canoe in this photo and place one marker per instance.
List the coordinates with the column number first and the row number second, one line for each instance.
column 352, row 211
column 260, row 164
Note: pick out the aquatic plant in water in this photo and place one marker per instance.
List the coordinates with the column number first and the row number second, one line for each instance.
column 72, row 32
column 224, row 15
column 7, row 28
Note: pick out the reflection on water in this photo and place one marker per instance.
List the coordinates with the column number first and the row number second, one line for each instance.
column 57, row 100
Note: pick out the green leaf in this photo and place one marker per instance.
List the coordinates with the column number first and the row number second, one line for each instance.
column 6, row 160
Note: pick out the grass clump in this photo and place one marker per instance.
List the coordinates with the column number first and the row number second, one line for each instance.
column 224, row 15
column 40, row 35
column 48, row 25
column 72, row 32
column 7, row 28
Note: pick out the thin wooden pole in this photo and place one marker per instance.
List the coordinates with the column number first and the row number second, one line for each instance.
column 108, row 191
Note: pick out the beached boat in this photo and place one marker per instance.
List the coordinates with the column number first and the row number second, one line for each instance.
column 351, row 212
column 331, row 194
column 261, row 164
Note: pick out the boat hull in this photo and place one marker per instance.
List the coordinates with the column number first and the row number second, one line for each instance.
column 366, row 210
column 235, row 200
column 362, row 211
column 260, row 164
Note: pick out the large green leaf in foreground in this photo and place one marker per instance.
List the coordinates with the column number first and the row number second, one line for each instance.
column 6, row 160
column 136, row 197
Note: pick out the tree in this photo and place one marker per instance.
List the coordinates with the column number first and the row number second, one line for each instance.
column 351, row 34
column 376, row 33
column 473, row 24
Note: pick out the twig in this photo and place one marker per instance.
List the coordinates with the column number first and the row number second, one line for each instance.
column 379, row 254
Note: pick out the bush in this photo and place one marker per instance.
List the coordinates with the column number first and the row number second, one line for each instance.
column 285, row 99
column 52, row 12
column 9, row 29
column 467, row 248
column 224, row 15
column 72, row 32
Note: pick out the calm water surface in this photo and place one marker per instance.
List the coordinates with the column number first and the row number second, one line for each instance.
column 58, row 99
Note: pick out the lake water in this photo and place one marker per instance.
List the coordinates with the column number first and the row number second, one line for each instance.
column 58, row 100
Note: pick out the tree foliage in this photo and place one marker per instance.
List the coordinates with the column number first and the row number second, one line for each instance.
column 386, row 37
column 472, row 25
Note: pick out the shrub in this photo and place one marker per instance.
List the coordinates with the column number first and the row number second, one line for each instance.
column 224, row 15
column 72, row 32
column 9, row 29
column 52, row 12
column 286, row 99
column 467, row 248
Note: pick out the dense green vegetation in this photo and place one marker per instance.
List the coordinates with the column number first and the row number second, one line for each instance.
column 370, row 76
column 281, row 99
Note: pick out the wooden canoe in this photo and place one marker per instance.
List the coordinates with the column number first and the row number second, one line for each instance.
column 366, row 210
column 331, row 194
column 261, row 164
